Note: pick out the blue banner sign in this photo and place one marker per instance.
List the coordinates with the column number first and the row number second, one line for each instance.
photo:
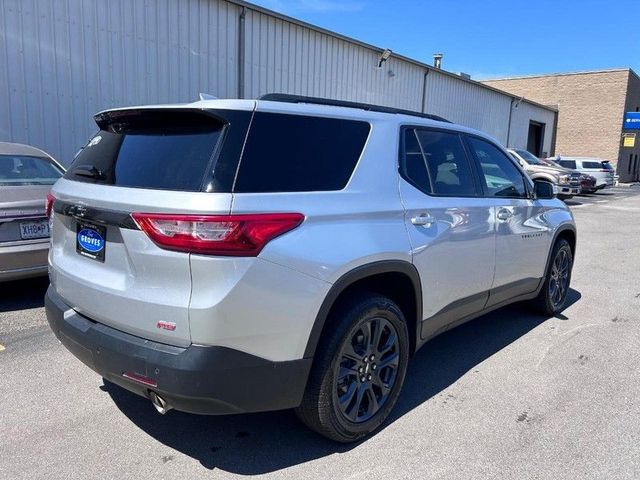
column 632, row 121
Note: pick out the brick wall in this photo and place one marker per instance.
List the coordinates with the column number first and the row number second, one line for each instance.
column 590, row 106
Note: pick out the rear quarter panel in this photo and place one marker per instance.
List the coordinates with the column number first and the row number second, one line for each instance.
column 344, row 229
column 270, row 307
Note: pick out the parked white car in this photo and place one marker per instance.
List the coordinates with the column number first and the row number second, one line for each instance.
column 605, row 177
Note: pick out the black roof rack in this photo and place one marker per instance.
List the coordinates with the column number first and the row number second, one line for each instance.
column 286, row 98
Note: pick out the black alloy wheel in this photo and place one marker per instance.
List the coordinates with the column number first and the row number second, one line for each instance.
column 553, row 296
column 358, row 369
column 559, row 278
column 367, row 370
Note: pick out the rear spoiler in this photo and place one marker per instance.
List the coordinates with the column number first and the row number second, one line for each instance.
column 118, row 121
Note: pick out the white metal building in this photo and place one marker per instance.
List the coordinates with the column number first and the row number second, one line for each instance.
column 63, row 60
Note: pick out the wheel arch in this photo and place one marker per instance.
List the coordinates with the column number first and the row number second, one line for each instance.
column 376, row 277
column 567, row 232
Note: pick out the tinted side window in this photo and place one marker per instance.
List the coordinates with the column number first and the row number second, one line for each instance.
column 500, row 176
column 568, row 164
column 448, row 171
column 295, row 153
column 593, row 165
column 412, row 163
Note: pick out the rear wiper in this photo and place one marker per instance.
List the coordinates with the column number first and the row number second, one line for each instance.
column 88, row 171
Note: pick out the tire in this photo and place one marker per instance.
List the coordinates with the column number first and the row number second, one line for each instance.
column 553, row 296
column 340, row 367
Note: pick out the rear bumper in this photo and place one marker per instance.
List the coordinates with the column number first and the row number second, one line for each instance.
column 605, row 183
column 23, row 259
column 197, row 379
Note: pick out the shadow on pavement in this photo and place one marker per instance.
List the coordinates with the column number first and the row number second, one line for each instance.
column 23, row 294
column 254, row 444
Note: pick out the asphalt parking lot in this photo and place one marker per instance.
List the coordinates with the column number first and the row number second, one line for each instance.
column 510, row 395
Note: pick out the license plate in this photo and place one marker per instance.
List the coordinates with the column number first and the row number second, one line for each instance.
column 31, row 230
column 91, row 240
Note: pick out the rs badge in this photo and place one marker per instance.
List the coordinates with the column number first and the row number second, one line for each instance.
column 166, row 325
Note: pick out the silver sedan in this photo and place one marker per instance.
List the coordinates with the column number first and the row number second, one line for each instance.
column 26, row 176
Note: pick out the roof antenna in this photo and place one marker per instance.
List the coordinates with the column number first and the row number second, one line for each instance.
column 207, row 96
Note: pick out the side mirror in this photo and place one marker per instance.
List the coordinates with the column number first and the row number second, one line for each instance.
column 543, row 190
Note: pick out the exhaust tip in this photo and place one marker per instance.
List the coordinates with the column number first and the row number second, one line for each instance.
column 159, row 403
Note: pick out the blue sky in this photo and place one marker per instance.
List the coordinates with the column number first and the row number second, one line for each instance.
column 487, row 38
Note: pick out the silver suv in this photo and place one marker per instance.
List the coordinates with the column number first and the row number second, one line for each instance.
column 566, row 182
column 235, row 256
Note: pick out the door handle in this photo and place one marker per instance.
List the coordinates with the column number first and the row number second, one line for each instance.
column 504, row 214
column 423, row 220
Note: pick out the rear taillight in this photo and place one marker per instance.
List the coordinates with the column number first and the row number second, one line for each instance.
column 48, row 205
column 225, row 235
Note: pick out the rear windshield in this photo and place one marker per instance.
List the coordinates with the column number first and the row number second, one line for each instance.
column 607, row 166
column 156, row 150
column 295, row 153
column 25, row 170
column 596, row 165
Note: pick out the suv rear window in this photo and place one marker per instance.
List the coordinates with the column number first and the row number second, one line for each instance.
column 296, row 153
column 596, row 165
column 148, row 149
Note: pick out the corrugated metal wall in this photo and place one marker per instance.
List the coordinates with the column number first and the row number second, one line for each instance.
column 63, row 60
column 285, row 57
column 468, row 104
column 523, row 112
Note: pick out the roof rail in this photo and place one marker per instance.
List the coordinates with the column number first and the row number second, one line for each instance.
column 286, row 98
